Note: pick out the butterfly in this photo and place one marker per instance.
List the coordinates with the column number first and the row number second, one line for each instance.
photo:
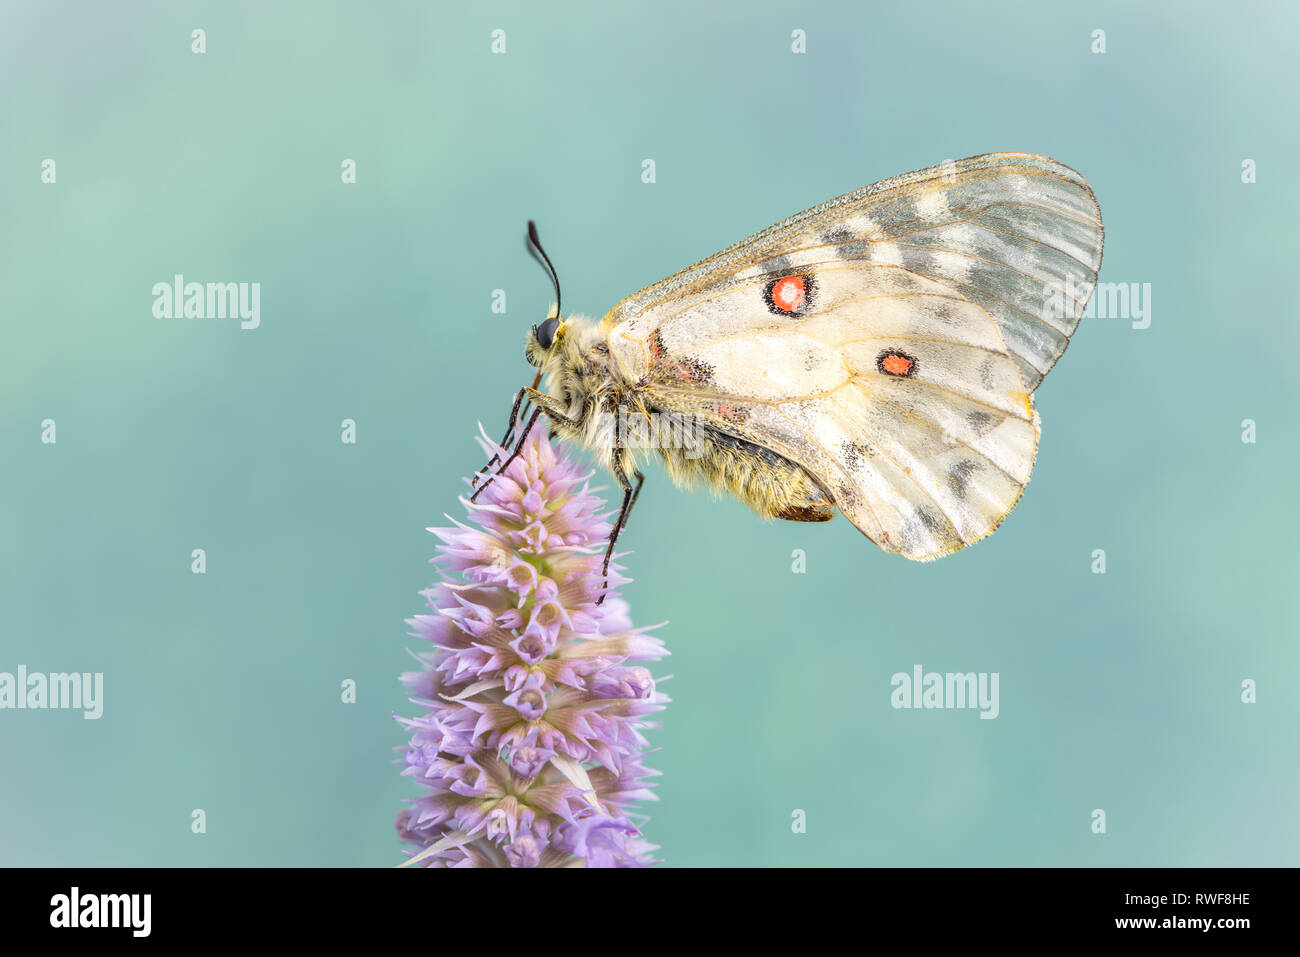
column 875, row 355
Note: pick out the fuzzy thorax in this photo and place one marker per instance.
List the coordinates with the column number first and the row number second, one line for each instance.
column 578, row 374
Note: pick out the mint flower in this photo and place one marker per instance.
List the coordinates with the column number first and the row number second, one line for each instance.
column 529, row 746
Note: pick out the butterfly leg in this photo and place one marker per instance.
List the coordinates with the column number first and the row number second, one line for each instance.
column 640, row 480
column 541, row 403
column 519, row 447
column 629, row 497
column 510, row 431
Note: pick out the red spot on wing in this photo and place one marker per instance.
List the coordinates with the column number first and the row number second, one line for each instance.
column 895, row 363
column 788, row 294
column 898, row 365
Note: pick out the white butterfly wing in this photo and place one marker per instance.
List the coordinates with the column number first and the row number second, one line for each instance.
column 887, row 341
column 1016, row 233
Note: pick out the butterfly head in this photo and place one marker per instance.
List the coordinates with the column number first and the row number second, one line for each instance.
column 544, row 340
column 568, row 351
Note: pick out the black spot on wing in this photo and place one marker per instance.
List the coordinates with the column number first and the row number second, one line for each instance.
column 778, row 266
column 930, row 520
column 923, row 525
column 959, row 476
column 844, row 243
column 687, row 369
column 734, row 414
column 948, row 313
column 982, row 423
column 855, row 454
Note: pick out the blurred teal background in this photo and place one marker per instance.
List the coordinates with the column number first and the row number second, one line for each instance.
column 1118, row 691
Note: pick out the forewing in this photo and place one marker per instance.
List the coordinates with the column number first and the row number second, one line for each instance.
column 1017, row 234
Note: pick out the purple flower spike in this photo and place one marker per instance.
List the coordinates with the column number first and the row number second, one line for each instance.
column 529, row 746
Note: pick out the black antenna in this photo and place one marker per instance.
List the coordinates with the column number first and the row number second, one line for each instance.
column 535, row 247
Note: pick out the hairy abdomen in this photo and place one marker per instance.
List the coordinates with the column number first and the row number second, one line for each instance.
column 769, row 483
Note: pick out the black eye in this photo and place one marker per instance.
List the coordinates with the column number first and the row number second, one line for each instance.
column 546, row 332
